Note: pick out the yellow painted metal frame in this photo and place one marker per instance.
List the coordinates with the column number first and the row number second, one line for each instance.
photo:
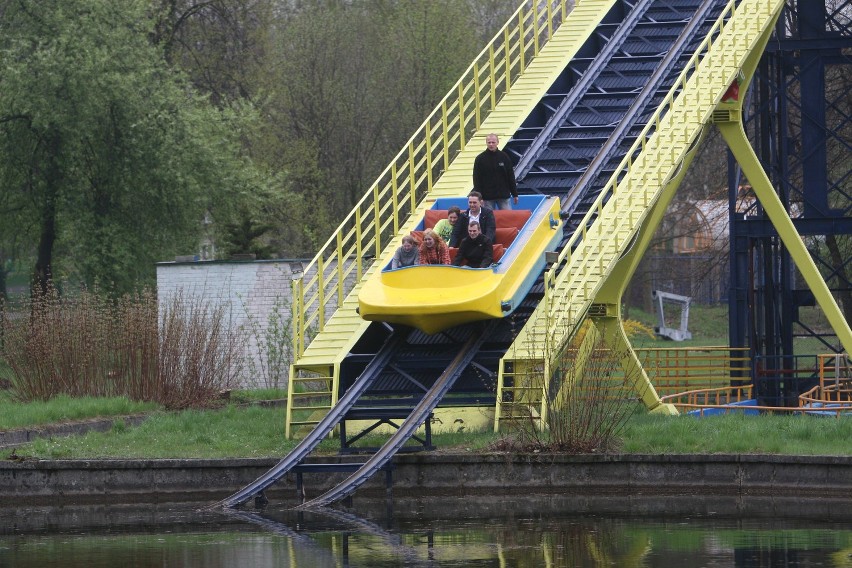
column 572, row 288
column 730, row 125
column 373, row 226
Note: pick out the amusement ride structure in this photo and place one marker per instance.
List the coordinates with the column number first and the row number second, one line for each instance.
column 603, row 106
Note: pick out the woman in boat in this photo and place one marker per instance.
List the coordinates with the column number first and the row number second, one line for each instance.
column 433, row 249
column 444, row 227
column 406, row 255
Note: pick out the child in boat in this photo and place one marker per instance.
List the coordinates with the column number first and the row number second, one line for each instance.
column 433, row 249
column 444, row 227
column 475, row 250
column 407, row 254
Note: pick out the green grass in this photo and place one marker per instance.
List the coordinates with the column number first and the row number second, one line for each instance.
column 707, row 324
column 62, row 409
column 738, row 434
column 235, row 432
column 229, row 432
column 238, row 396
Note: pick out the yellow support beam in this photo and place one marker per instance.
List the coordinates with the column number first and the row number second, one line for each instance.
column 737, row 141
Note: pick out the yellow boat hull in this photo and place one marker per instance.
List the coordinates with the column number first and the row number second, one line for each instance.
column 433, row 298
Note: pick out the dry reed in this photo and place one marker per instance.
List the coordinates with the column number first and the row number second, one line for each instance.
column 88, row 344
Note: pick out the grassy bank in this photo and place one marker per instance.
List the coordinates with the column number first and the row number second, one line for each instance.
column 64, row 409
column 738, row 434
column 259, row 432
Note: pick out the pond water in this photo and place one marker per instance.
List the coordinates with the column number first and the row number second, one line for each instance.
column 517, row 531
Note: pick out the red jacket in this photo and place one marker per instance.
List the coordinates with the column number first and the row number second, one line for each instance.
column 438, row 254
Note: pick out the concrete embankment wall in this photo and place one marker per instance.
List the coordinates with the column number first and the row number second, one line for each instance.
column 74, row 481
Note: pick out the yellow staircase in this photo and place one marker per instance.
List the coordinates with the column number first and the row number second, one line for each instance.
column 574, row 281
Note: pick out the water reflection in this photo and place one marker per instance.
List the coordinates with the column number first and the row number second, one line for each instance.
column 550, row 530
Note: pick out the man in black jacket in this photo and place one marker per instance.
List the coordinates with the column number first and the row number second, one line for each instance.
column 474, row 251
column 494, row 177
column 476, row 212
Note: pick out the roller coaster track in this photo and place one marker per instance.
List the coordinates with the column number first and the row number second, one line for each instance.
column 656, row 157
column 382, row 360
column 420, row 413
column 654, row 84
column 326, row 425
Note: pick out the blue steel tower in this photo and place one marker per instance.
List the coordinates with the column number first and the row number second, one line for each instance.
column 800, row 124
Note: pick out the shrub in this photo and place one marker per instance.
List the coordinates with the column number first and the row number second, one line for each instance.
column 91, row 345
column 273, row 342
column 585, row 402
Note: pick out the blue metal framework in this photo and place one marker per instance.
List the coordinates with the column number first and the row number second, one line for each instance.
column 570, row 146
column 801, row 127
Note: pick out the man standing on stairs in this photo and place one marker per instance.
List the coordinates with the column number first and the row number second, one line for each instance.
column 494, row 177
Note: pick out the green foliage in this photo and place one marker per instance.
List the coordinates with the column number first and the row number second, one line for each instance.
column 109, row 150
column 123, row 125
column 272, row 340
column 346, row 85
column 244, row 234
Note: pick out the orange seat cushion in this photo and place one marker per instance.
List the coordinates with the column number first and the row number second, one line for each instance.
column 453, row 252
column 497, row 252
column 511, row 217
column 433, row 216
column 418, row 236
column 505, row 235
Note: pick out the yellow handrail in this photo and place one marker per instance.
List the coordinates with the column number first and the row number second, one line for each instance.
column 375, row 220
column 557, row 297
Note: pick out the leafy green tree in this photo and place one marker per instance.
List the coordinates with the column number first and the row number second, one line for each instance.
column 110, row 152
column 347, row 84
column 340, row 86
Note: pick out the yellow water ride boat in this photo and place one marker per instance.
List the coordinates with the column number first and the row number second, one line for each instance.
column 433, row 298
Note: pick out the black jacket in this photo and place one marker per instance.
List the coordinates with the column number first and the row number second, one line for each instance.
column 477, row 252
column 493, row 175
column 487, row 224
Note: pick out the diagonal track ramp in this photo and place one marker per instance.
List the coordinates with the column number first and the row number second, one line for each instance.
column 478, row 333
column 658, row 156
column 325, row 426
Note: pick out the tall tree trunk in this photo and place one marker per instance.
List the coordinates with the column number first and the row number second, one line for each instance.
column 47, row 238
column 4, row 292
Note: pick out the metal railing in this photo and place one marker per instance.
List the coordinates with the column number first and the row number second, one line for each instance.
column 680, row 369
column 376, row 219
column 718, row 397
column 558, row 296
column 831, row 397
column 833, row 394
